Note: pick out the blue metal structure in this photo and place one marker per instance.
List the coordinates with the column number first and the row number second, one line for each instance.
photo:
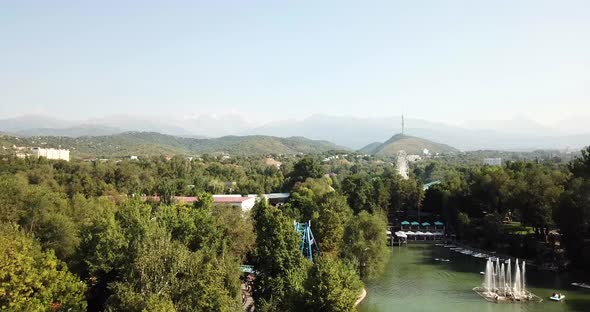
column 308, row 242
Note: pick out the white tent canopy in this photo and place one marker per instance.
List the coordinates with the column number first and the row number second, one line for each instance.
column 401, row 234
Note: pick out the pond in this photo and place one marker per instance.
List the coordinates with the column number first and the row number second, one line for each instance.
column 414, row 281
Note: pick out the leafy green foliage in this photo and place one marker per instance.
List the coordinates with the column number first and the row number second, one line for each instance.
column 281, row 268
column 573, row 212
column 365, row 244
column 34, row 280
column 332, row 286
column 330, row 221
column 168, row 273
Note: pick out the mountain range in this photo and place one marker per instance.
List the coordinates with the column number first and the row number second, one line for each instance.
column 516, row 134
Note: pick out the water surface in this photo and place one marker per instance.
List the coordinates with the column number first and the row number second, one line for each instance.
column 413, row 281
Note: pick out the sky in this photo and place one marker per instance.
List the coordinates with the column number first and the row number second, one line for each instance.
column 448, row 61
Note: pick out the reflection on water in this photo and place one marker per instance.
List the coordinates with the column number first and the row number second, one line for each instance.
column 413, row 281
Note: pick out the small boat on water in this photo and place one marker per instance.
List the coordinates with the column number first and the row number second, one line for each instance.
column 442, row 259
column 583, row 285
column 482, row 273
column 557, row 297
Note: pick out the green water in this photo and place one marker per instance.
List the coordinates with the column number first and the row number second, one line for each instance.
column 413, row 281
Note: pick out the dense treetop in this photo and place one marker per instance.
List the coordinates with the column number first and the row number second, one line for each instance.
column 84, row 238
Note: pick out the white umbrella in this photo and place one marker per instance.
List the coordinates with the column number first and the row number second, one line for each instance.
column 401, row 234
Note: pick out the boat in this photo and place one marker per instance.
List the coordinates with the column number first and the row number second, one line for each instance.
column 482, row 273
column 583, row 285
column 557, row 297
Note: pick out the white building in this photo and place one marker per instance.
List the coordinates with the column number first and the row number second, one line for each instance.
column 425, row 151
column 51, row 153
column 244, row 202
column 492, row 161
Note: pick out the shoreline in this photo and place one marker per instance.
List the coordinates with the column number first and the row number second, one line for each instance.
column 361, row 298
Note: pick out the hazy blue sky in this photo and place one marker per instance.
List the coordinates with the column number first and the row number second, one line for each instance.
column 441, row 60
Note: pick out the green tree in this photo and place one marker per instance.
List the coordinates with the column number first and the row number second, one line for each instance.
column 12, row 192
column 35, row 280
column 573, row 213
column 330, row 222
column 166, row 273
column 236, row 231
column 331, row 286
column 280, row 266
column 307, row 167
column 365, row 243
column 360, row 193
column 205, row 201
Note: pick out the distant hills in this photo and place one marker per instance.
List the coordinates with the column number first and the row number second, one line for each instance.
column 370, row 148
column 153, row 144
column 409, row 144
column 515, row 134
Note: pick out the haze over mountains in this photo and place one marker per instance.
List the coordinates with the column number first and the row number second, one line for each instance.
column 515, row 134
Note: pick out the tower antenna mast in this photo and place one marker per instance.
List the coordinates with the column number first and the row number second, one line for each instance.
column 403, row 126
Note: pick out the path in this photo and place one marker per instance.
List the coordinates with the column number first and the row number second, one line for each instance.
column 247, row 299
column 363, row 295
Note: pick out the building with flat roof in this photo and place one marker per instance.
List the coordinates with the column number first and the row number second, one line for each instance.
column 492, row 161
column 245, row 202
column 51, row 153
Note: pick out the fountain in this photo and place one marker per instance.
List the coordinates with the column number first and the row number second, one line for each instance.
column 498, row 286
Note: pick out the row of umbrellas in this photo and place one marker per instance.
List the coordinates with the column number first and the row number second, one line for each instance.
column 437, row 223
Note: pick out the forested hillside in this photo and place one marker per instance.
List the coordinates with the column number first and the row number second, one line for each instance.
column 409, row 144
column 155, row 144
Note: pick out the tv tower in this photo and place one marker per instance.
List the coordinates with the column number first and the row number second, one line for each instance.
column 402, row 123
